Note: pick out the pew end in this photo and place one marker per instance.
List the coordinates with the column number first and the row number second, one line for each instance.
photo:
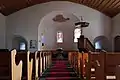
column 16, row 69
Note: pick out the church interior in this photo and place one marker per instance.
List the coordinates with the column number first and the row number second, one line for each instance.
column 59, row 40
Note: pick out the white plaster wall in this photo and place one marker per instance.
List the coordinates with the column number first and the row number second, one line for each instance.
column 2, row 31
column 116, row 26
column 50, row 30
column 25, row 22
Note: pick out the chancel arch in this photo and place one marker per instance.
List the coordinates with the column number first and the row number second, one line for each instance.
column 51, row 24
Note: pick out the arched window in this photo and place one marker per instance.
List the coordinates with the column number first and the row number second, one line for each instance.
column 59, row 37
column 97, row 45
column 77, row 33
column 22, row 46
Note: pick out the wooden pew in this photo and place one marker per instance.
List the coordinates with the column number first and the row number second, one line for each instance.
column 32, row 56
column 48, row 58
column 106, row 65
column 36, row 65
column 83, row 63
column 27, row 64
column 45, row 60
column 95, row 66
column 40, row 63
column 9, row 70
column 74, row 60
column 79, row 64
column 112, row 66
column 16, row 69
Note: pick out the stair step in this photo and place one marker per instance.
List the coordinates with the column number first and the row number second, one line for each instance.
column 60, row 70
column 59, row 74
column 60, row 78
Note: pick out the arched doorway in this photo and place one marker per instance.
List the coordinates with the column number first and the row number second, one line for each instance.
column 19, row 43
column 117, row 44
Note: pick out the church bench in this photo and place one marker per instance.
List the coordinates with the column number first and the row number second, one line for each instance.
column 41, row 63
column 83, row 63
column 48, row 61
column 96, row 65
column 4, row 50
column 73, row 58
column 112, row 66
column 36, row 58
column 9, row 70
column 40, row 70
column 104, row 65
column 45, row 60
column 27, row 59
column 35, row 65
column 32, row 56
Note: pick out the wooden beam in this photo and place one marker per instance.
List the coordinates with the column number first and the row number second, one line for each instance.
column 112, row 12
column 108, row 5
column 117, row 4
column 2, row 7
column 88, row 2
column 108, row 13
column 28, row 2
column 80, row 1
column 84, row 1
column 91, row 3
column 100, row 2
column 114, row 9
column 103, row 4
column 95, row 3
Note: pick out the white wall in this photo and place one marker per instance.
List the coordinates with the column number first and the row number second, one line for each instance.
column 2, row 31
column 115, row 28
column 50, row 30
column 26, row 21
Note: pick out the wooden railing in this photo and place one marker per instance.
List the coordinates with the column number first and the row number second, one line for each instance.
column 88, row 45
column 85, row 45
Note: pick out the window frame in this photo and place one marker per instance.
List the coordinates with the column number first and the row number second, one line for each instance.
column 75, row 38
column 59, row 32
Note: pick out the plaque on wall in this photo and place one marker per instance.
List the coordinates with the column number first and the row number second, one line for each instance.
column 33, row 44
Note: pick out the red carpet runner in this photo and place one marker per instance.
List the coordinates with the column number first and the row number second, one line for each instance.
column 60, row 70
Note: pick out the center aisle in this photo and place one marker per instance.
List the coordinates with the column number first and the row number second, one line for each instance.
column 59, row 70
